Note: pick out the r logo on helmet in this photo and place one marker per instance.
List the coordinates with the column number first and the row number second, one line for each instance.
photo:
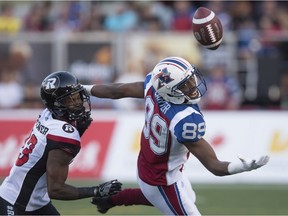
column 50, row 83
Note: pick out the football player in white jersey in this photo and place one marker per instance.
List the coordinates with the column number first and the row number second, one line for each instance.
column 174, row 128
column 41, row 169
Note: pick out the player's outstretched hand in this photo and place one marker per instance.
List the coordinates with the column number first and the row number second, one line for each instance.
column 85, row 121
column 83, row 124
column 108, row 188
column 247, row 164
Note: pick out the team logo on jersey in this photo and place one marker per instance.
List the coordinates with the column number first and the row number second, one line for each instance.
column 68, row 128
column 164, row 77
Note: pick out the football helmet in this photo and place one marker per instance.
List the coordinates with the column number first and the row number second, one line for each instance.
column 65, row 97
column 177, row 81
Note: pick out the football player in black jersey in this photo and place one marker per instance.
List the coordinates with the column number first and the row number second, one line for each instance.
column 41, row 169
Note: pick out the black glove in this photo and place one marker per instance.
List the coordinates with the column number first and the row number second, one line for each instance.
column 108, row 188
column 84, row 123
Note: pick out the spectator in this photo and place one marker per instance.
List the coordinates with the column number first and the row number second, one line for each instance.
column 245, row 25
column 154, row 16
column 163, row 11
column 221, row 11
column 282, row 16
column 38, row 18
column 183, row 13
column 223, row 92
column 267, row 9
column 12, row 92
column 95, row 20
column 9, row 23
column 269, row 29
column 122, row 19
column 71, row 16
column 282, row 19
column 284, row 90
column 148, row 21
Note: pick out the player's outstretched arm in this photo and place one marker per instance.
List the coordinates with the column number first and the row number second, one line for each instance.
column 57, row 173
column 116, row 90
column 207, row 156
column 203, row 151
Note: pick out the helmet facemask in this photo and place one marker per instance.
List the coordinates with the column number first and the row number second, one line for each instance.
column 193, row 87
column 75, row 106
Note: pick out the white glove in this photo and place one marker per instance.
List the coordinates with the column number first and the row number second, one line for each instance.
column 247, row 164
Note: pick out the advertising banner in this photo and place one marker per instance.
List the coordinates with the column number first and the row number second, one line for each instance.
column 110, row 146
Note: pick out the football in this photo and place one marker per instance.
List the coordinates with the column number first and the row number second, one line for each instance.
column 207, row 28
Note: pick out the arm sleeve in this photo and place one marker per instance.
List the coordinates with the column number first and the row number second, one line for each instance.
column 147, row 83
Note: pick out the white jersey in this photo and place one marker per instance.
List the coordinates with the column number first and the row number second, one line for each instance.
column 26, row 185
column 167, row 127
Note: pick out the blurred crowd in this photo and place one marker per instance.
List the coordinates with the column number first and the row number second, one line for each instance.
column 225, row 91
column 82, row 16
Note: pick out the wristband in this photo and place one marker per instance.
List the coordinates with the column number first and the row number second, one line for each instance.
column 235, row 167
column 88, row 89
column 85, row 192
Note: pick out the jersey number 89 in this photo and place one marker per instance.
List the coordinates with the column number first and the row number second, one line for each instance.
column 156, row 129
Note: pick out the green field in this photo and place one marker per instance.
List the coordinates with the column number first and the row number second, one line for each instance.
column 211, row 200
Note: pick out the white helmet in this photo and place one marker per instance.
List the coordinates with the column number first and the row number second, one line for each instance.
column 177, row 81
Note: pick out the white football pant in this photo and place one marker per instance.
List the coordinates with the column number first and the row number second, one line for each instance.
column 176, row 199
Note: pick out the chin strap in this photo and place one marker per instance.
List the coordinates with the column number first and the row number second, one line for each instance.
column 194, row 101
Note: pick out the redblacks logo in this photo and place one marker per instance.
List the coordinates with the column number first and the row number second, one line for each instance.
column 87, row 164
column 68, row 128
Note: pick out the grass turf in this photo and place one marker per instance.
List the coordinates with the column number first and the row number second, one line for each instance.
column 211, row 200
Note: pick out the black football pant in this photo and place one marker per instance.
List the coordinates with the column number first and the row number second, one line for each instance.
column 7, row 209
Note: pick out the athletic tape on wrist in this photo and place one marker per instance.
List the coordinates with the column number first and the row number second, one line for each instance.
column 88, row 89
column 235, row 167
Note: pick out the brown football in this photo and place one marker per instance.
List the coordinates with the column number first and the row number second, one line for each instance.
column 207, row 28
